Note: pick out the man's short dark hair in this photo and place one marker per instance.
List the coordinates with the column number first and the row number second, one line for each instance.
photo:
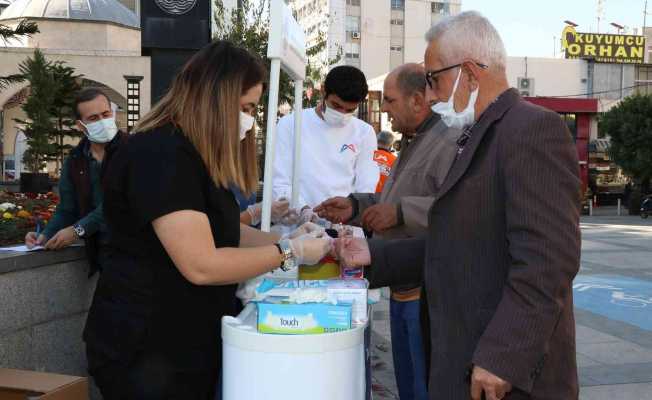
column 87, row 95
column 346, row 82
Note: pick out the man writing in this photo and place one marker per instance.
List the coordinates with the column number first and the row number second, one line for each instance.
column 400, row 211
column 79, row 212
column 503, row 240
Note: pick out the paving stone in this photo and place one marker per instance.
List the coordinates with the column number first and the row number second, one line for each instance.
column 635, row 391
column 584, row 334
column 615, row 352
column 618, row 374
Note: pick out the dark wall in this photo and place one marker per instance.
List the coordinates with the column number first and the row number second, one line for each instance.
column 171, row 32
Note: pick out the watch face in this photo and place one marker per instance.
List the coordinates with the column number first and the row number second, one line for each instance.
column 79, row 231
column 176, row 7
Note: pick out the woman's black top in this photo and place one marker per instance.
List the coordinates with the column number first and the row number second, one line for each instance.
column 142, row 302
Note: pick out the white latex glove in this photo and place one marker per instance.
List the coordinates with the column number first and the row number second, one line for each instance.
column 280, row 208
column 307, row 215
column 307, row 228
column 291, row 218
column 308, row 250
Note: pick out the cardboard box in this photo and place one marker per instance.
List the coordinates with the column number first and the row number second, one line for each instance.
column 30, row 385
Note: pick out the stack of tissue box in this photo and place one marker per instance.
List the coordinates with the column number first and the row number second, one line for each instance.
column 305, row 302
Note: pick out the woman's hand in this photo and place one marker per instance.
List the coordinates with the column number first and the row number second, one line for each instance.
column 307, row 228
column 308, row 250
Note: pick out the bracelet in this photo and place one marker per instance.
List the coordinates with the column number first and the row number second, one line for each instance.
column 280, row 252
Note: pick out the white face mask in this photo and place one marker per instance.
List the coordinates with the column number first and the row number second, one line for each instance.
column 246, row 123
column 102, row 131
column 335, row 118
column 452, row 118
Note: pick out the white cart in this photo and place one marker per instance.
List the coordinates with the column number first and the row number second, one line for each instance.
column 259, row 366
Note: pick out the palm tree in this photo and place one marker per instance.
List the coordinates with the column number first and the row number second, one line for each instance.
column 7, row 34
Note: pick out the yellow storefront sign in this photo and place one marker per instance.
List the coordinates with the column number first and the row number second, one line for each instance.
column 603, row 47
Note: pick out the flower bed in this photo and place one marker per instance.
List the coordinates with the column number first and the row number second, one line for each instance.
column 20, row 213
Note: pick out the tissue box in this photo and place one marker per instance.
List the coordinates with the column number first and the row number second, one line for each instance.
column 303, row 319
column 353, row 292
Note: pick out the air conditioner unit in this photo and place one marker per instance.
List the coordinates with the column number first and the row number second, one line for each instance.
column 355, row 35
column 526, row 86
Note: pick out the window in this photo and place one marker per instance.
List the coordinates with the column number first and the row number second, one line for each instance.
column 440, row 8
column 643, row 80
column 352, row 50
column 352, row 24
column 353, row 2
column 133, row 100
column 396, row 21
column 398, row 4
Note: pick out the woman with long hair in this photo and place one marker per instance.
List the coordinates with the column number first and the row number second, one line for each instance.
column 177, row 247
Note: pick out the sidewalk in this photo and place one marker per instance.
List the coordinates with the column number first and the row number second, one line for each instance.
column 613, row 311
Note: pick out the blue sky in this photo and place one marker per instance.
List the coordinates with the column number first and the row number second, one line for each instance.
column 528, row 26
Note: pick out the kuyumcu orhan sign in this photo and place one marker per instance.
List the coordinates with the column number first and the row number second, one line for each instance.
column 603, row 47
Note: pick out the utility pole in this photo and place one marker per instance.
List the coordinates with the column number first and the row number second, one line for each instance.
column 644, row 16
column 599, row 11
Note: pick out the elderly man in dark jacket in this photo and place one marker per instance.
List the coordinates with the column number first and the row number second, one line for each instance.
column 401, row 209
column 504, row 242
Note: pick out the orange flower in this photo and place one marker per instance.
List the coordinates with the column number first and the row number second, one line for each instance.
column 23, row 214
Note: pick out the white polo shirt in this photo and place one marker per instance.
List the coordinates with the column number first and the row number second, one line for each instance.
column 335, row 161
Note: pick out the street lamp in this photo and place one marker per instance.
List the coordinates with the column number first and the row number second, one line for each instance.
column 617, row 26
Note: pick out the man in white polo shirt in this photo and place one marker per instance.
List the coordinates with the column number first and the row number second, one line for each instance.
column 337, row 148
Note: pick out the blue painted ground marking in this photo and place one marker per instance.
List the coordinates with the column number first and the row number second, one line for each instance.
column 616, row 297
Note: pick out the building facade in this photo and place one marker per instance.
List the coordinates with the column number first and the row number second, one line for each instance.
column 373, row 35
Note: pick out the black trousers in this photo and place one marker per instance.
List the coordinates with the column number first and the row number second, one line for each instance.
column 150, row 376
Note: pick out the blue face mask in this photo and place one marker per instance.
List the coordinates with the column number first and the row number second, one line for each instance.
column 102, row 131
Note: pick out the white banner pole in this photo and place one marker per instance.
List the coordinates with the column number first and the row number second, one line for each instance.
column 270, row 147
column 296, row 164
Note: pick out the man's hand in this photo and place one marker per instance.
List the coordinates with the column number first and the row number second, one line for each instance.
column 380, row 217
column 63, row 238
column 493, row 387
column 335, row 209
column 353, row 252
column 31, row 240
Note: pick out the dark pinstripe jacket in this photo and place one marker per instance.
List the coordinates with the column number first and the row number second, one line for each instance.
column 502, row 250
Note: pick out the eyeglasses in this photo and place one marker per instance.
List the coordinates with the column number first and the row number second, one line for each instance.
column 430, row 75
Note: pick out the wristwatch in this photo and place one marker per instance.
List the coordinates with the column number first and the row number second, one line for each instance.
column 79, row 230
column 288, row 261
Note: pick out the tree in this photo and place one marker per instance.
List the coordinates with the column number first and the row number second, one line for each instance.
column 62, row 109
column 629, row 125
column 248, row 26
column 7, row 35
column 52, row 88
